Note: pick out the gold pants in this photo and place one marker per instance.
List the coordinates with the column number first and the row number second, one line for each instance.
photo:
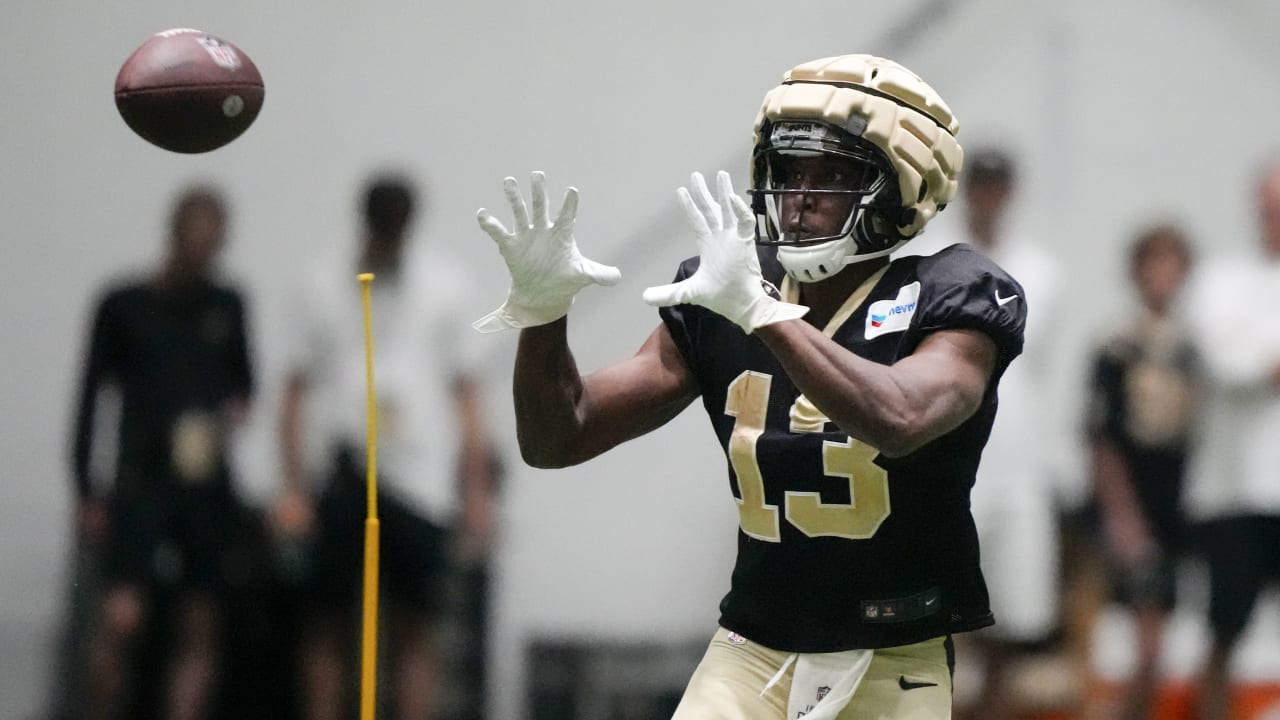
column 910, row 682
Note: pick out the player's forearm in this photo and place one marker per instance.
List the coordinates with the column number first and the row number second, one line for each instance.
column 1112, row 482
column 548, row 391
column 82, row 447
column 474, row 450
column 82, row 442
column 290, row 434
column 473, row 439
column 1125, row 525
column 891, row 408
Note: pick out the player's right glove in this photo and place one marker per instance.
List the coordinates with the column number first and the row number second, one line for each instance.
column 546, row 268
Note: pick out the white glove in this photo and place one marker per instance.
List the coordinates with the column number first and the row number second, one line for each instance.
column 546, row 268
column 728, row 280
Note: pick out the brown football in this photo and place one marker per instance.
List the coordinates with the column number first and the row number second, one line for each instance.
column 188, row 91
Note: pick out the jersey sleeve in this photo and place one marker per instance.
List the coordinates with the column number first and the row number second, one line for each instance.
column 241, row 359
column 101, row 363
column 682, row 321
column 961, row 289
column 468, row 349
column 304, row 339
column 1104, row 411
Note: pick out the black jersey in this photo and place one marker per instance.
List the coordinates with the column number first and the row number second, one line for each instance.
column 839, row 547
column 1142, row 397
column 170, row 355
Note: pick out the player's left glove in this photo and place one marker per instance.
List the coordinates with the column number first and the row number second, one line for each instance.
column 728, row 280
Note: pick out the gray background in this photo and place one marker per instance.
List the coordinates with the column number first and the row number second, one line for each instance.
column 1120, row 110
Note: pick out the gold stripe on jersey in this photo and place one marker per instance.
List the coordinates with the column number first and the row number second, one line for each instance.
column 805, row 417
column 790, row 292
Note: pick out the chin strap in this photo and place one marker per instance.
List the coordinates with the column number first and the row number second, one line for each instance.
column 851, row 259
column 862, row 257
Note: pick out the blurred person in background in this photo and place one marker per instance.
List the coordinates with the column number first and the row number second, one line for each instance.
column 1013, row 500
column 1142, row 402
column 433, row 453
column 468, row 614
column 852, row 395
column 172, row 349
column 1234, row 482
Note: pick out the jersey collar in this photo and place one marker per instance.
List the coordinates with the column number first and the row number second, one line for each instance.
column 790, row 292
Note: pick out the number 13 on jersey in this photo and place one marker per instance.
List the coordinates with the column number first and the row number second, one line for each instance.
column 748, row 403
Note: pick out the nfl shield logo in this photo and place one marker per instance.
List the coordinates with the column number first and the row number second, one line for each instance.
column 822, row 692
column 221, row 52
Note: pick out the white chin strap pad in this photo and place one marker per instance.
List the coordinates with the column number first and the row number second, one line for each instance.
column 811, row 263
column 819, row 262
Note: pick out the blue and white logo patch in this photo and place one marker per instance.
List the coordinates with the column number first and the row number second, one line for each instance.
column 890, row 316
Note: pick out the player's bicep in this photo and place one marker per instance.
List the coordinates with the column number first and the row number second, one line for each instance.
column 632, row 397
column 950, row 371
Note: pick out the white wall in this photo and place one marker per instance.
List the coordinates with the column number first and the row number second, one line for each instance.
column 1119, row 110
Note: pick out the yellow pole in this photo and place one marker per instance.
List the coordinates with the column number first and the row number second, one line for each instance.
column 369, row 630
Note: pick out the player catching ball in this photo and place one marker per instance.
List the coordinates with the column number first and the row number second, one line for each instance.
column 852, row 395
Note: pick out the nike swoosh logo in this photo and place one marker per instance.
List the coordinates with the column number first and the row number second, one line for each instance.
column 1002, row 301
column 906, row 684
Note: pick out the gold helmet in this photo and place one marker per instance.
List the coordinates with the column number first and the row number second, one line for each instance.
column 881, row 116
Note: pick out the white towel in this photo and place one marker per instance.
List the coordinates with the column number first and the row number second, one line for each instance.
column 824, row 683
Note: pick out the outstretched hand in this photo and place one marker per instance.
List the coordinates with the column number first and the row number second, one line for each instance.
column 728, row 280
column 546, row 268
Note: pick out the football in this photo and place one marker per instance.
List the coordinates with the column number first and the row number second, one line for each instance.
column 189, row 92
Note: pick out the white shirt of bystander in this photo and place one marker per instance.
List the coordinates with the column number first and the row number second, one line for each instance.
column 420, row 335
column 1235, row 467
